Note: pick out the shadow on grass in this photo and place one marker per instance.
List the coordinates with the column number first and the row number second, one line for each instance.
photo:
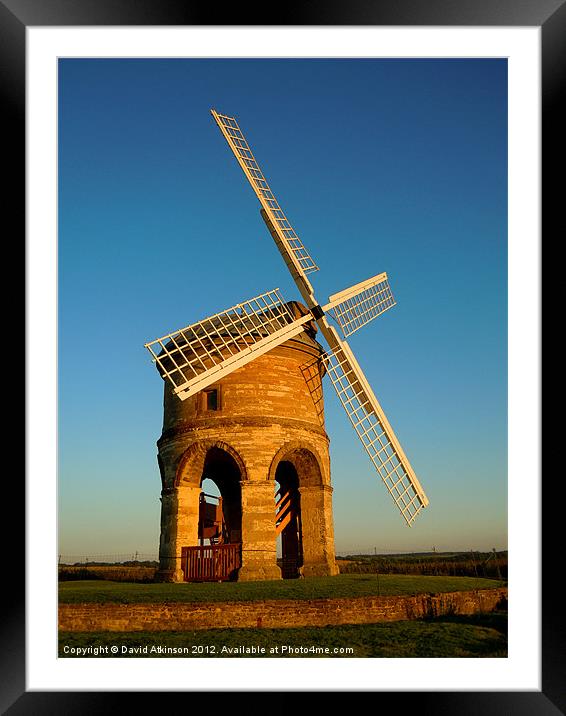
column 491, row 620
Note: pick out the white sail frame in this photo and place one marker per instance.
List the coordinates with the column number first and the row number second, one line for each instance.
column 195, row 356
column 357, row 306
column 241, row 150
column 375, row 432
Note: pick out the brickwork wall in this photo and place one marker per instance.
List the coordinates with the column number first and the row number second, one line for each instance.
column 275, row 613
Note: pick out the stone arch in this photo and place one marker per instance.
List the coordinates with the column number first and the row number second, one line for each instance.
column 295, row 467
column 191, row 464
column 215, row 517
column 304, row 459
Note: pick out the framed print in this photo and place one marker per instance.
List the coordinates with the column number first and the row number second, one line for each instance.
column 72, row 70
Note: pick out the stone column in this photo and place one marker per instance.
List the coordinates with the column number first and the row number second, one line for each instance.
column 319, row 559
column 188, row 497
column 179, row 528
column 166, row 572
column 259, row 553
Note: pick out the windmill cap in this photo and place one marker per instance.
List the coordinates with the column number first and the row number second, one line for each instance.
column 299, row 310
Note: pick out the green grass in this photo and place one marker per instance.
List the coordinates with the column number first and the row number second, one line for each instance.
column 483, row 635
column 344, row 585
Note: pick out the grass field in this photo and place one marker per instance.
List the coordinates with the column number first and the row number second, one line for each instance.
column 476, row 636
column 491, row 565
column 343, row 585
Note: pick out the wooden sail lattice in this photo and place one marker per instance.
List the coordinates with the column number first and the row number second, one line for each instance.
column 359, row 309
column 352, row 309
column 243, row 153
column 376, row 435
column 195, row 356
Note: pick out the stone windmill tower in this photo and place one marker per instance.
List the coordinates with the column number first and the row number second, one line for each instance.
column 243, row 406
column 259, row 427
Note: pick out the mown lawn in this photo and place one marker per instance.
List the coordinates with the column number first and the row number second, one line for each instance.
column 483, row 635
column 343, row 585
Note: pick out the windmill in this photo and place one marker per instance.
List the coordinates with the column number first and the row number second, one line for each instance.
column 195, row 357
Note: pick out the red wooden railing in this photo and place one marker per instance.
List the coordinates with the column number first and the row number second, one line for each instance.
column 210, row 563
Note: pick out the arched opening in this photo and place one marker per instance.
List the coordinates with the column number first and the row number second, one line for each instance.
column 220, row 508
column 288, row 520
column 214, row 472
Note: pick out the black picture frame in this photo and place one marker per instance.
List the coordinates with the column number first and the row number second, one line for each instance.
column 550, row 16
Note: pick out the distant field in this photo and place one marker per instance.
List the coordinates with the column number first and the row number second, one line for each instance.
column 112, row 572
column 341, row 586
column 482, row 635
column 491, row 565
column 488, row 565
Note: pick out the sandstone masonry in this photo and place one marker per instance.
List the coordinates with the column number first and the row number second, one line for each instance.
column 276, row 613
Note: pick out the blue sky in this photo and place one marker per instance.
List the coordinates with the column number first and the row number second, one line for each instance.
column 380, row 165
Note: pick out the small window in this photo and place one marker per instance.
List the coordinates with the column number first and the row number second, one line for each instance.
column 211, row 398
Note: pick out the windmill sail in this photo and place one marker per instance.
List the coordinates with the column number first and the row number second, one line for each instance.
column 360, row 304
column 196, row 356
column 285, row 232
column 375, row 432
column 352, row 309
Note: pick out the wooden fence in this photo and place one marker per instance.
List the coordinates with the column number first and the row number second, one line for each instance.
column 214, row 563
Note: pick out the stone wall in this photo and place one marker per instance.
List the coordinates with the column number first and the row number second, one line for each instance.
column 276, row 613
